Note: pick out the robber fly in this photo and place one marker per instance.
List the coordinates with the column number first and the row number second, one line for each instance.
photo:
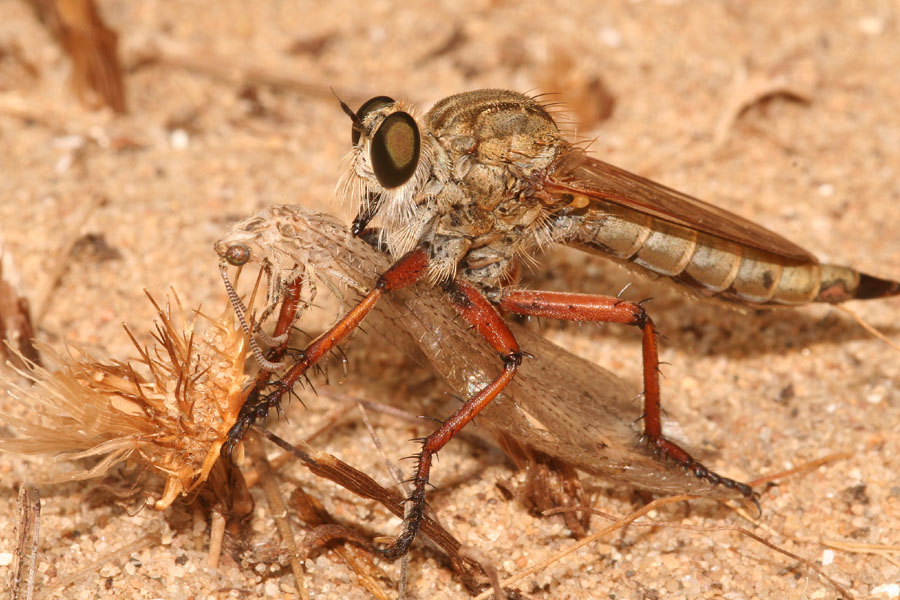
column 486, row 179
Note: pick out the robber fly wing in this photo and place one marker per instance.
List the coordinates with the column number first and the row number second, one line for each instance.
column 603, row 182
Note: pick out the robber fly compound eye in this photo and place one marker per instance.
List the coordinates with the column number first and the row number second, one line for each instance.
column 237, row 255
column 395, row 144
column 395, row 149
column 364, row 110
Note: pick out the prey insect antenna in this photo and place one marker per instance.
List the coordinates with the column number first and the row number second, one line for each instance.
column 240, row 311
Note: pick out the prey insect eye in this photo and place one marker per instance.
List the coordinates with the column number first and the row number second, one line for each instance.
column 370, row 105
column 237, row 255
column 395, row 149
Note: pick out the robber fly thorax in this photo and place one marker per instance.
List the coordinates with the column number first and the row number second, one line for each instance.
column 486, row 178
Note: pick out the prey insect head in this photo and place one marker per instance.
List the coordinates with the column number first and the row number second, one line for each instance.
column 237, row 255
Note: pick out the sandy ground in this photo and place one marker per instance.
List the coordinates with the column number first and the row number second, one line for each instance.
column 762, row 392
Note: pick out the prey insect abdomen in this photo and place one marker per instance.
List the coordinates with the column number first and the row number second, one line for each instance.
column 709, row 264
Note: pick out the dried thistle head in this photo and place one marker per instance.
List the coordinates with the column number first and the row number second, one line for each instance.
column 169, row 408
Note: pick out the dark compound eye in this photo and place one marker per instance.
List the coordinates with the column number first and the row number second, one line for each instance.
column 370, row 105
column 395, row 149
column 237, row 255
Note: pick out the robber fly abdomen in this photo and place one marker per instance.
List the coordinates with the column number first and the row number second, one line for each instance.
column 710, row 265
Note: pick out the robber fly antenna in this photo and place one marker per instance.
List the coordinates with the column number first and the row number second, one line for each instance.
column 357, row 122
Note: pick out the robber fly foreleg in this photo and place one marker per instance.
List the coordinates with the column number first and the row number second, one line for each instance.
column 406, row 271
column 255, row 405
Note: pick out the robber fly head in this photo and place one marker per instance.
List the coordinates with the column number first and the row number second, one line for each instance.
column 388, row 163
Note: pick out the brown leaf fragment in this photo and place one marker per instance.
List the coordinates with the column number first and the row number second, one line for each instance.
column 91, row 45
column 324, row 529
column 312, row 45
column 16, row 329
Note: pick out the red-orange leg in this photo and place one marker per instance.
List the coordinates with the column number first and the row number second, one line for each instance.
column 286, row 317
column 405, row 272
column 588, row 307
column 485, row 319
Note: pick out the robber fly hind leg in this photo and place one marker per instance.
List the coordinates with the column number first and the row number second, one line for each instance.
column 588, row 307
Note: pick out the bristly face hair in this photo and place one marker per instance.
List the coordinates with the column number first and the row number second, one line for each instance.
column 169, row 409
column 361, row 189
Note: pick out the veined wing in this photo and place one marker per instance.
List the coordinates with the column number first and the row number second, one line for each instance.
column 602, row 181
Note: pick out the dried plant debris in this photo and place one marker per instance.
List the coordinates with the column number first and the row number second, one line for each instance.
column 312, row 45
column 91, row 44
column 169, row 409
column 28, row 508
column 794, row 78
column 94, row 247
column 16, row 328
column 16, row 69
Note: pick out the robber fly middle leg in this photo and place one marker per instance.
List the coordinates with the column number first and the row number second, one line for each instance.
column 487, row 322
column 588, row 307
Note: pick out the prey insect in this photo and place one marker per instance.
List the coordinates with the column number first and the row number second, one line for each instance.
column 486, row 180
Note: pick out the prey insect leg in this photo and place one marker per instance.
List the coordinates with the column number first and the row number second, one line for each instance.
column 406, row 271
column 255, row 407
column 488, row 323
column 588, row 307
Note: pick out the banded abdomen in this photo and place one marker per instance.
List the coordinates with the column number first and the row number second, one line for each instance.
column 714, row 266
